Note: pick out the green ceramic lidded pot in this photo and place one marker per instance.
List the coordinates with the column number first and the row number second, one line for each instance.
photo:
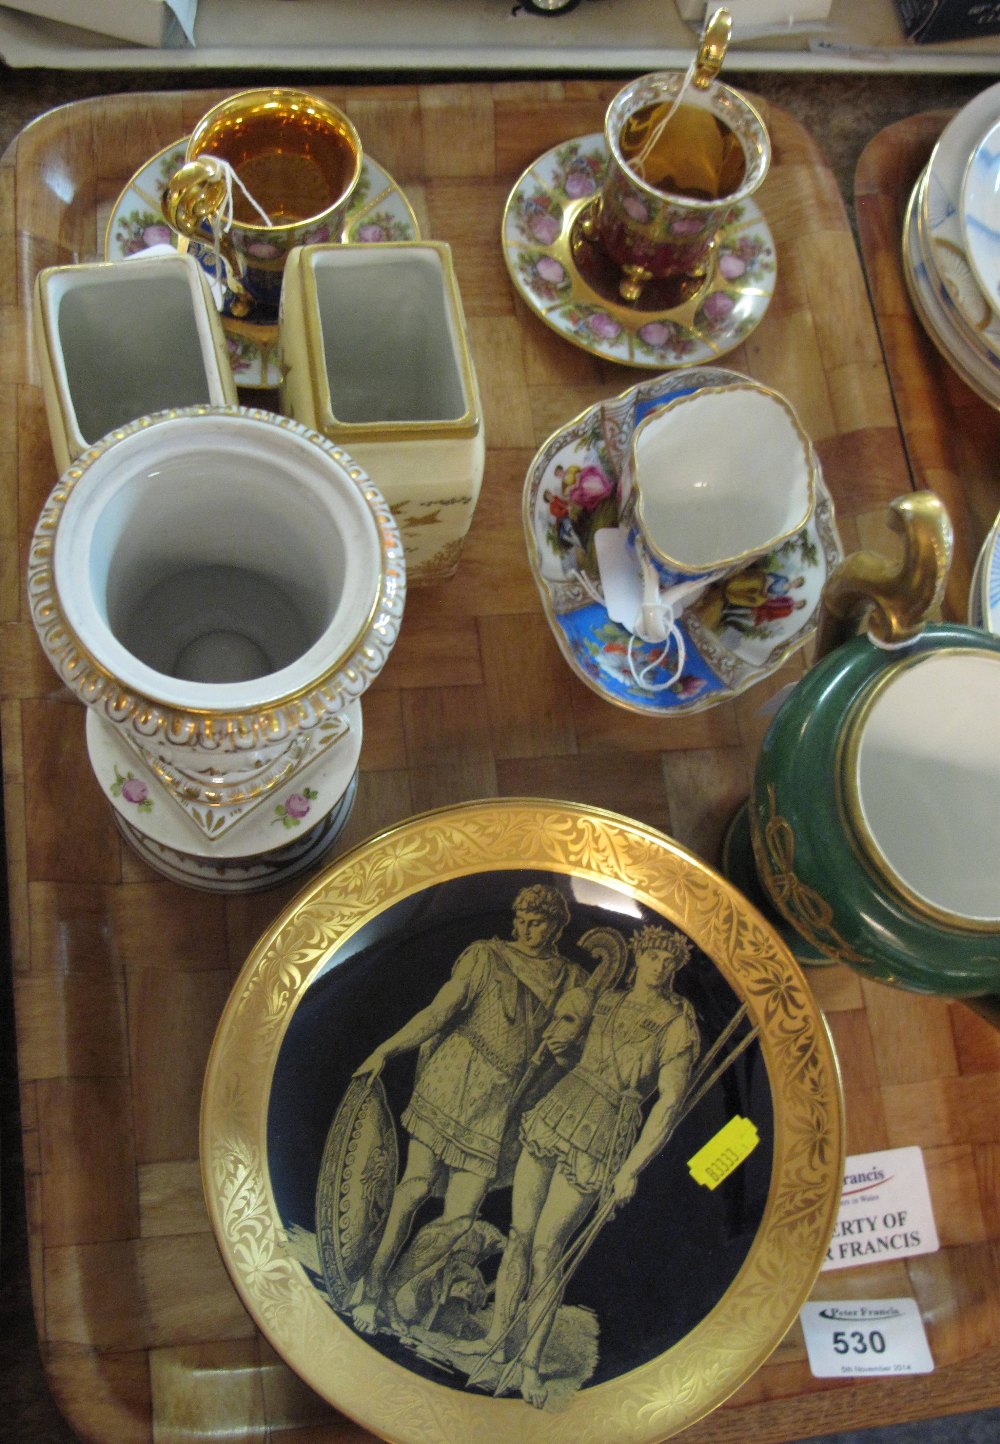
column 875, row 811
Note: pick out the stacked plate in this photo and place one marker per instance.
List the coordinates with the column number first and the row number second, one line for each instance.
column 951, row 245
column 984, row 594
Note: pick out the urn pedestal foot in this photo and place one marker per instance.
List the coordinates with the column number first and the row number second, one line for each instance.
column 265, row 841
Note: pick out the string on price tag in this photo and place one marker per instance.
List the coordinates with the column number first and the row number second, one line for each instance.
column 848, row 1339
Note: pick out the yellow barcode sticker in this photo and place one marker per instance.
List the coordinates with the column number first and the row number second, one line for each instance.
column 726, row 1151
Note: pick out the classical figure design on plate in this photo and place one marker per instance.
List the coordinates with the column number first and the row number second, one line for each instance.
column 533, row 1088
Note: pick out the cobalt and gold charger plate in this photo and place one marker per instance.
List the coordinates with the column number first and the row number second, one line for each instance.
column 568, row 284
column 735, row 634
column 379, row 211
column 521, row 1123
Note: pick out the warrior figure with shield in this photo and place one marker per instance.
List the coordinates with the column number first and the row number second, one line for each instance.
column 584, row 1143
column 477, row 1039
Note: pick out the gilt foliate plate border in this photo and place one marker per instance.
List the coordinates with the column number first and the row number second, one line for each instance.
column 659, row 1398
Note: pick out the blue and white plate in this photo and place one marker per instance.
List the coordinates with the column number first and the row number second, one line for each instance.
column 980, row 213
column 985, row 602
column 938, row 303
column 961, row 320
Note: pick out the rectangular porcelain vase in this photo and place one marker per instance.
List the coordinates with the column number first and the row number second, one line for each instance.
column 375, row 357
column 118, row 340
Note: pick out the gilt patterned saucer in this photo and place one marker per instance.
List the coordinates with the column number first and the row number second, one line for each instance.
column 737, row 633
column 379, row 211
column 573, row 289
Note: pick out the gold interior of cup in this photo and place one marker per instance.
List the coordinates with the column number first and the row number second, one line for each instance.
column 295, row 154
column 693, row 154
column 713, row 147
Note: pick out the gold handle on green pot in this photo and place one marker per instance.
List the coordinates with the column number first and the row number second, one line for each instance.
column 895, row 598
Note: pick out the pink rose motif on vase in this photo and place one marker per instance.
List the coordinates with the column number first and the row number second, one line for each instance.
column 133, row 790
column 295, row 807
column 371, row 233
column 590, row 487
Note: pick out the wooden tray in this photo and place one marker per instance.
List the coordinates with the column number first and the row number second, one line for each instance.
column 120, row 976
column 952, row 436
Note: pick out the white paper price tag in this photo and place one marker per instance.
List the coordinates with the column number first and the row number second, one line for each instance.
column 885, row 1210
column 847, row 1339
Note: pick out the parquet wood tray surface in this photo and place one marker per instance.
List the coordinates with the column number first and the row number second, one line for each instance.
column 120, row 976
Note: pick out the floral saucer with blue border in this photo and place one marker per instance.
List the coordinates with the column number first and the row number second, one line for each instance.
column 568, row 284
column 735, row 634
column 379, row 211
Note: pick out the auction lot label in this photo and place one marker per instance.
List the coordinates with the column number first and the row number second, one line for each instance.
column 848, row 1339
column 885, row 1210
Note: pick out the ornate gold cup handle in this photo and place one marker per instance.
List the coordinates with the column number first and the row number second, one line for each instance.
column 196, row 194
column 712, row 50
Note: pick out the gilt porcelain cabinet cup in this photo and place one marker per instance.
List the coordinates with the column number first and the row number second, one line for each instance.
column 375, row 356
column 713, row 481
column 683, row 151
column 875, row 811
column 265, row 170
column 220, row 586
column 122, row 339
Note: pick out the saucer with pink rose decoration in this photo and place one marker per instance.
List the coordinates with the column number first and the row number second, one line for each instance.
column 571, row 286
column 378, row 211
